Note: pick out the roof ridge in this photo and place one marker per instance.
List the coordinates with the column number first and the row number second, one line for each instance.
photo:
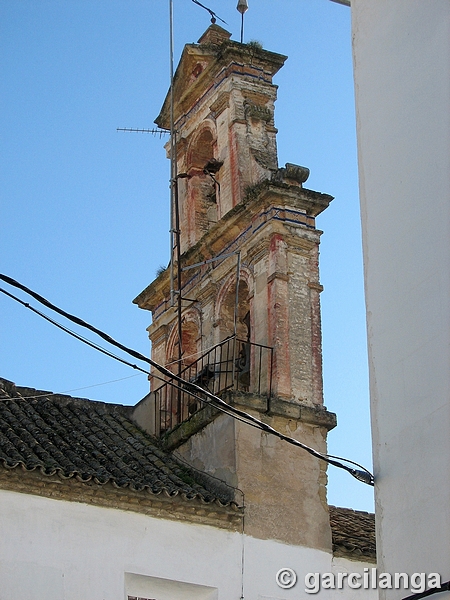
column 18, row 392
column 354, row 510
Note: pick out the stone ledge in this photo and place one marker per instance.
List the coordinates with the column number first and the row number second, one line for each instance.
column 315, row 415
column 258, row 199
column 278, row 275
column 108, row 496
column 312, row 415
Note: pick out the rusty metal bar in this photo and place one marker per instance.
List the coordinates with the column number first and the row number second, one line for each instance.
column 217, row 370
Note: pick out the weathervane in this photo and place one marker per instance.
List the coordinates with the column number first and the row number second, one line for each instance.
column 211, row 12
column 242, row 7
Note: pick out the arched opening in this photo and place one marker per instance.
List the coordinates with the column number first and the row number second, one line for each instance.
column 190, row 343
column 202, row 187
column 176, row 404
column 202, row 150
column 235, row 320
column 235, row 309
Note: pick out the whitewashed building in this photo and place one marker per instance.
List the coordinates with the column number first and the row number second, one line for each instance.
column 401, row 52
column 92, row 508
column 172, row 499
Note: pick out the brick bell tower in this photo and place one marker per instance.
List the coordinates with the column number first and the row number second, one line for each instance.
column 250, row 317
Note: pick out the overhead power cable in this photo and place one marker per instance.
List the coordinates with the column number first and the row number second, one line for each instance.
column 445, row 587
column 86, row 387
column 72, row 333
column 360, row 473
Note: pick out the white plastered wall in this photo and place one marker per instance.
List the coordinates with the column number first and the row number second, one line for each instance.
column 58, row 550
column 402, row 83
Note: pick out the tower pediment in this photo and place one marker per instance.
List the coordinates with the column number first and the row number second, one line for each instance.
column 206, row 63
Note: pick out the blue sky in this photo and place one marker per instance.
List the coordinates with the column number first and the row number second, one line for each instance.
column 84, row 208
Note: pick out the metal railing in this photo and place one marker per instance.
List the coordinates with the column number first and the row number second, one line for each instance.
column 233, row 364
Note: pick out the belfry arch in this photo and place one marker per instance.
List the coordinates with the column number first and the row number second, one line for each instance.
column 234, row 310
column 199, row 209
column 190, row 341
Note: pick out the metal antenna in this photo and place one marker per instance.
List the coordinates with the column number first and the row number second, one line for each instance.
column 175, row 233
column 242, row 7
column 155, row 131
column 211, row 12
column 173, row 161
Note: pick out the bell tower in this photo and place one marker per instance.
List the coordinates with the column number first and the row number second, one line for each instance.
column 224, row 117
column 250, row 319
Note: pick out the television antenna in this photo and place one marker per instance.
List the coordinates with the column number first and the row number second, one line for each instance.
column 155, row 131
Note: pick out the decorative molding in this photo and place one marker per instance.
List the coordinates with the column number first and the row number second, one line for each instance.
column 278, row 275
column 257, row 97
column 175, row 508
column 262, row 113
column 315, row 286
column 219, row 105
column 160, row 335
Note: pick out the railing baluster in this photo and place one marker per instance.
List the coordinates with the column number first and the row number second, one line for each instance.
column 218, row 370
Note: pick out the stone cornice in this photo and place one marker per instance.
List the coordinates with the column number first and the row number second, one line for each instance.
column 278, row 275
column 233, row 223
column 317, row 416
column 220, row 104
column 315, row 286
column 297, row 197
column 160, row 506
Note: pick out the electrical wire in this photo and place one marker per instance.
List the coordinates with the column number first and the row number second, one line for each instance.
column 86, row 387
column 361, row 474
column 74, row 318
column 72, row 333
column 445, row 587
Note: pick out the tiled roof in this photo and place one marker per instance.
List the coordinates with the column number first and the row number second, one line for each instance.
column 353, row 533
column 92, row 442
column 96, row 442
